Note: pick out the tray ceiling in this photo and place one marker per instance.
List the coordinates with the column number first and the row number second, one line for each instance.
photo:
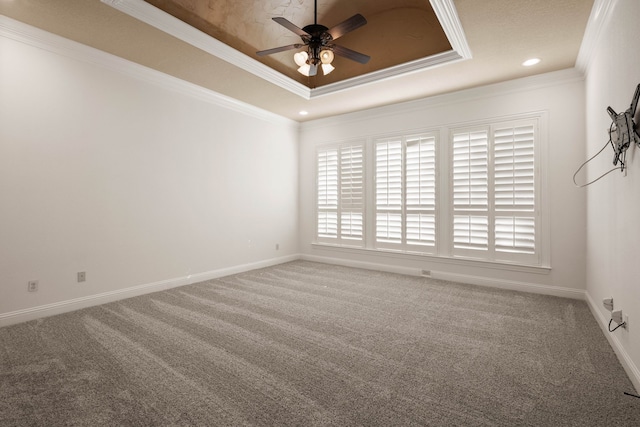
column 489, row 41
column 396, row 32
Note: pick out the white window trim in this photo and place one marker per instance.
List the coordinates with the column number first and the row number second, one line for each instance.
column 339, row 240
column 491, row 212
column 404, row 245
column 441, row 259
column 443, row 229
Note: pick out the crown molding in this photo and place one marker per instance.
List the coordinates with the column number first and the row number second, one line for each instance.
column 388, row 73
column 161, row 20
column 600, row 16
column 523, row 84
column 444, row 9
column 446, row 12
column 26, row 34
column 448, row 16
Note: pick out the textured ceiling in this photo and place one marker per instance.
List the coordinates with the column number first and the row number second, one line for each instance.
column 396, row 32
column 500, row 34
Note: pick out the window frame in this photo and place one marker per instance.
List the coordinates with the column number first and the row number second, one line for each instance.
column 339, row 209
column 404, row 210
column 491, row 254
column 444, row 248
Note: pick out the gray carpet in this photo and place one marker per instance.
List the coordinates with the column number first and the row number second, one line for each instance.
column 311, row 344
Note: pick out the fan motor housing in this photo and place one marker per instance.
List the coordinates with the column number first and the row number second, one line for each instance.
column 315, row 30
column 319, row 35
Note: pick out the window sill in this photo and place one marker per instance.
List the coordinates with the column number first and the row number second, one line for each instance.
column 467, row 262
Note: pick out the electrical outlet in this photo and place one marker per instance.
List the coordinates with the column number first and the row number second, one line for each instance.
column 608, row 303
column 626, row 322
column 32, row 286
column 277, row 246
column 617, row 316
column 82, row 276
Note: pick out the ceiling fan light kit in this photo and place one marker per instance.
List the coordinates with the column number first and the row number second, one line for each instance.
column 327, row 68
column 302, row 60
column 326, row 57
column 318, row 43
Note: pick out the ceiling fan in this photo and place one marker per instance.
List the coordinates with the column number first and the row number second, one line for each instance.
column 318, row 40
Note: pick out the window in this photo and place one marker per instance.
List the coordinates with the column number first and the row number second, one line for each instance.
column 405, row 193
column 470, row 185
column 389, row 191
column 328, row 194
column 341, row 195
column 493, row 192
column 485, row 205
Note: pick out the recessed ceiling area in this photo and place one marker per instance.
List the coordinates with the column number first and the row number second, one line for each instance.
column 499, row 34
column 396, row 32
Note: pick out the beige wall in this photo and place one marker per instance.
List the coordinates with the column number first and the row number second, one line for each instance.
column 613, row 207
column 560, row 96
column 129, row 175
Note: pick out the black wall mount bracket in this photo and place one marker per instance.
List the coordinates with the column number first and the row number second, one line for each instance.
column 624, row 131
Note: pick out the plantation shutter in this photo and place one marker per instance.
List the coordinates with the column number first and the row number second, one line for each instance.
column 351, row 192
column 470, row 189
column 493, row 207
column 420, row 161
column 388, row 156
column 405, row 173
column 327, row 194
column 514, row 189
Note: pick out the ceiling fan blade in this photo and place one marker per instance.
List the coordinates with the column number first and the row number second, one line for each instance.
column 313, row 70
column 350, row 54
column 356, row 21
column 290, row 26
column 279, row 49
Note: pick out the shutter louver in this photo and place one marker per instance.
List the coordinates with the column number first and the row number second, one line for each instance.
column 389, row 191
column 515, row 235
column 470, row 190
column 328, row 194
column 421, row 229
column 351, row 192
column 514, row 189
column 327, row 224
column 514, row 169
column 389, row 175
column 470, row 177
column 420, row 164
column 351, row 225
column 328, row 179
column 351, row 177
column 471, row 232
column 389, row 227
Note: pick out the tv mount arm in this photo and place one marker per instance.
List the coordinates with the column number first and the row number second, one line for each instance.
column 623, row 130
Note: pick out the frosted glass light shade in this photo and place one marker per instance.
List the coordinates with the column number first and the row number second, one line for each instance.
column 304, row 69
column 326, row 56
column 301, row 58
column 327, row 68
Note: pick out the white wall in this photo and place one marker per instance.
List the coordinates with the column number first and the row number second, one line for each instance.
column 613, row 207
column 560, row 95
column 133, row 183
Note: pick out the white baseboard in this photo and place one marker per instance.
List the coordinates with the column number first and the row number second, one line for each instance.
column 513, row 285
column 625, row 360
column 364, row 265
column 214, row 274
column 47, row 310
column 453, row 277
